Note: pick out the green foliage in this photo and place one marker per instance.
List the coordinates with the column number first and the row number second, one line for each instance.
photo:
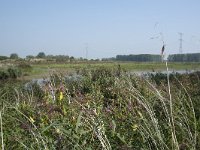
column 10, row 73
column 25, row 67
column 193, row 57
column 102, row 109
column 4, row 75
column 139, row 58
column 3, row 57
column 160, row 78
column 35, row 87
column 41, row 55
column 14, row 56
column 61, row 58
column 30, row 57
column 14, row 73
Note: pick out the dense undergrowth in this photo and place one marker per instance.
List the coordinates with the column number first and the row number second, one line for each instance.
column 102, row 109
column 14, row 72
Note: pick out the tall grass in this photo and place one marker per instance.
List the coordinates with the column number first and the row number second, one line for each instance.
column 102, row 109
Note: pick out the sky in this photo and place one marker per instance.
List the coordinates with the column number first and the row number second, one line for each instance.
column 104, row 28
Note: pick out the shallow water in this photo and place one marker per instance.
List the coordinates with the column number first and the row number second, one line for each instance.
column 140, row 73
column 41, row 82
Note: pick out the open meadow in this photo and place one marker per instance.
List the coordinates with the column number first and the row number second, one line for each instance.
column 40, row 70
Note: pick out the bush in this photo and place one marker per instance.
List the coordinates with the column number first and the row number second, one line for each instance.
column 14, row 73
column 3, row 57
column 4, row 75
column 10, row 73
column 25, row 67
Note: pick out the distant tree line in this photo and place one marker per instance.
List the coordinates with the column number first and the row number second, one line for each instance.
column 57, row 58
column 191, row 57
column 139, row 58
column 109, row 59
column 12, row 56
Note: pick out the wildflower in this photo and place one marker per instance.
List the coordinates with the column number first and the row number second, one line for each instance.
column 31, row 120
column 61, row 96
column 52, row 92
column 140, row 114
column 58, row 130
column 135, row 127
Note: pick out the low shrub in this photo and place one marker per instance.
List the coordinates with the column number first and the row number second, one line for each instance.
column 25, row 67
column 10, row 73
column 4, row 75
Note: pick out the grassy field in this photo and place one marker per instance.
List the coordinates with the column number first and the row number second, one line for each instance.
column 40, row 70
column 125, row 65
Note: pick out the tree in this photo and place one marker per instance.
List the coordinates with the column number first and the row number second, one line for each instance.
column 190, row 57
column 139, row 58
column 29, row 57
column 41, row 55
column 3, row 57
column 14, row 56
column 61, row 58
column 72, row 57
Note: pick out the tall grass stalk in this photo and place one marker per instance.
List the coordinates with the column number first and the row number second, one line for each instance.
column 191, row 106
column 151, row 127
column 2, row 142
column 96, row 124
column 174, row 139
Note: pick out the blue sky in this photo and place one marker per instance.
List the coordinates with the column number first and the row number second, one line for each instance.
column 108, row 27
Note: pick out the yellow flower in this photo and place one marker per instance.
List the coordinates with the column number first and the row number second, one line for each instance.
column 134, row 126
column 140, row 114
column 61, row 96
column 31, row 120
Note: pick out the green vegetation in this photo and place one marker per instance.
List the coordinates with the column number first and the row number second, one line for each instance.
column 42, row 69
column 38, row 69
column 3, row 58
column 10, row 73
column 24, row 66
column 41, row 55
column 189, row 57
column 14, row 56
column 139, row 58
column 102, row 108
column 194, row 57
